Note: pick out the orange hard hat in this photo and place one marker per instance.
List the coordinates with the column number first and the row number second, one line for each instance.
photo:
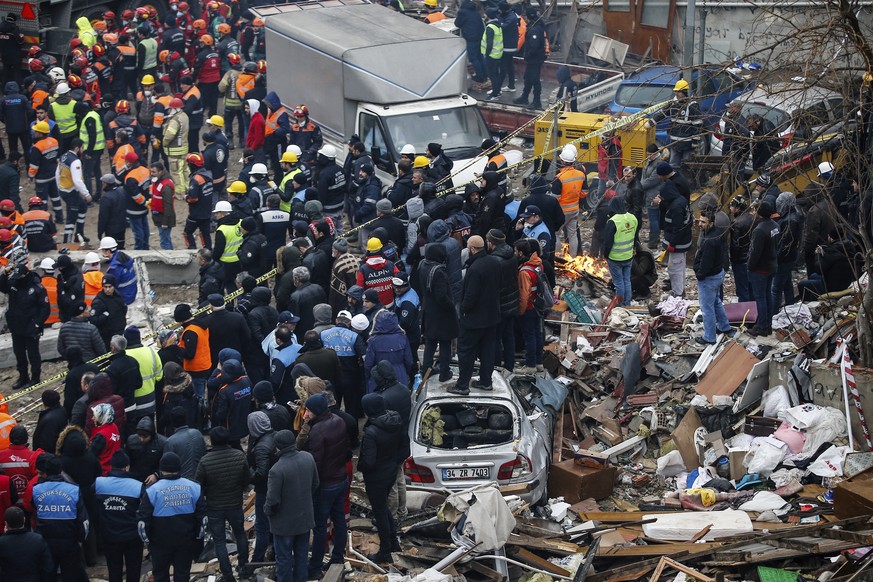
column 207, row 39
column 162, row 56
column 199, row 24
column 122, row 106
column 223, row 28
column 195, row 160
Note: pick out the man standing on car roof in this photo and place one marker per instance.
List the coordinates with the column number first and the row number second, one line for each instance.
column 686, row 123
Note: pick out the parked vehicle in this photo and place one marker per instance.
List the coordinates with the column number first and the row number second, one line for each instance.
column 365, row 69
column 822, row 109
column 502, row 435
column 651, row 85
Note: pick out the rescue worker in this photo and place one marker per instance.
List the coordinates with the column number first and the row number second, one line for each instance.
column 112, row 217
column 331, row 186
column 305, row 134
column 124, row 122
column 146, row 99
column 172, row 518
column 276, row 132
column 49, row 281
column 199, row 199
column 535, row 49
column 570, row 188
column 163, row 214
column 61, row 518
column 491, row 48
column 121, row 266
column 208, row 68
column 254, row 46
column 11, row 42
column 432, row 12
column 228, row 238
column 151, row 370
column 39, row 228
column 43, row 165
column 194, row 342
column 73, row 191
column 193, row 107
column 146, row 52
column 215, row 160
column 226, row 46
column 87, row 34
column 286, row 191
column 28, row 308
column 686, row 123
column 618, row 247
column 61, row 110
column 93, row 144
column 15, row 112
column 261, row 187
column 137, row 181
column 233, row 106
column 175, row 141
column 93, row 277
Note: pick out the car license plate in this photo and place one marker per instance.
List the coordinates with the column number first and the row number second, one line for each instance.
column 466, row 473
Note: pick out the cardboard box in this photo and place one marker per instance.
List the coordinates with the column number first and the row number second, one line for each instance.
column 736, row 463
column 575, row 483
column 586, row 458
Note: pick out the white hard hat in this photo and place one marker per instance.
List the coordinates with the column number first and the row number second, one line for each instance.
column 62, row 89
column 327, row 151
column 568, row 154
column 260, row 169
column 108, row 243
column 294, row 149
column 92, row 257
column 48, row 264
column 223, row 206
column 825, row 168
column 57, row 74
column 407, row 149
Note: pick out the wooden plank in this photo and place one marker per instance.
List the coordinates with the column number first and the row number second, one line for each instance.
column 334, row 573
column 727, row 372
column 667, row 562
column 860, row 537
column 486, row 571
column 701, row 533
column 654, row 551
column 554, row 546
column 529, row 557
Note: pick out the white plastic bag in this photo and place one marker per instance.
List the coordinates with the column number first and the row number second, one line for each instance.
column 764, row 454
column 830, row 462
column 671, row 464
column 775, row 400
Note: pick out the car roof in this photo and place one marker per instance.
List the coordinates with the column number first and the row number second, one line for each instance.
column 501, row 389
column 663, row 74
column 787, row 95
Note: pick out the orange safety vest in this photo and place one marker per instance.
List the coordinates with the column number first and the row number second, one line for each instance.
column 118, row 159
column 273, row 121
column 7, row 423
column 93, row 285
column 202, row 359
column 158, row 121
column 572, row 188
column 434, row 17
column 522, row 30
column 244, row 82
column 38, row 97
column 143, row 179
column 51, row 288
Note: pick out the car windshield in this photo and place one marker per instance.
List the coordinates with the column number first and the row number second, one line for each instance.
column 641, row 96
column 458, row 425
column 461, row 131
column 777, row 117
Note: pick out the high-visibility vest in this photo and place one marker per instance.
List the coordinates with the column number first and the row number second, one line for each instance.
column 497, row 43
column 272, row 124
column 150, row 61
column 522, row 31
column 99, row 139
column 572, row 188
column 65, row 172
column 51, row 288
column 64, row 116
column 434, row 17
column 232, row 241
column 202, row 360
column 623, row 241
column 151, row 371
column 93, row 285
column 243, row 83
column 7, row 423
column 286, row 206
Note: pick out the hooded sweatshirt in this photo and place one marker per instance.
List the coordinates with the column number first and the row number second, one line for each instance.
column 382, row 443
column 257, row 125
column 439, row 232
column 387, row 342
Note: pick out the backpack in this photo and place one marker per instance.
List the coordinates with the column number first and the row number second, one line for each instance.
column 544, row 299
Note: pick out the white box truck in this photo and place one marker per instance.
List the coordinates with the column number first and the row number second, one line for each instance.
column 364, row 69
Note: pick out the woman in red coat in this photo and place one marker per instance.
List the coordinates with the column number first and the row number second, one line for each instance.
column 105, row 438
column 257, row 125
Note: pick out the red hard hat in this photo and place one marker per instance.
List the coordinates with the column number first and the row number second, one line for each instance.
column 80, row 61
column 233, row 59
column 35, row 65
column 5, row 222
column 122, row 106
column 33, row 51
column 301, row 111
column 127, row 14
column 195, row 160
column 5, row 235
column 262, row 66
column 7, row 204
column 98, row 50
column 74, row 81
column 176, row 103
column 153, row 12
column 35, row 201
column 131, row 157
column 142, row 11
column 183, row 7
column 75, row 42
column 109, row 15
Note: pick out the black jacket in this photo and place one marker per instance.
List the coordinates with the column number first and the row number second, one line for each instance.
column 741, row 237
column 397, row 398
column 145, row 458
column 534, row 48
column 762, row 251
column 109, row 314
column 709, row 259
column 303, row 300
column 28, row 304
column 439, row 320
column 254, row 256
column 469, row 22
column 328, row 443
column 790, row 237
column 677, row 218
column 480, row 299
column 211, row 281
column 73, row 382
column 71, row 290
column 318, row 263
column 49, row 427
column 261, row 456
column 223, row 473
column 508, row 279
column 78, row 461
column 126, row 378
column 79, row 333
column 25, row 557
column 112, row 217
column 490, row 212
column 228, row 329
column 394, row 227
column 232, row 404
column 549, row 206
column 382, row 443
column 263, row 317
column 401, row 191
column 10, row 180
column 117, row 496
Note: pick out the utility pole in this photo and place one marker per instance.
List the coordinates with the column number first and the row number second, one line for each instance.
column 688, row 48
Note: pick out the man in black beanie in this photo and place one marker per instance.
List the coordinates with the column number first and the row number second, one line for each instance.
column 52, row 421
column 172, row 521
column 118, row 496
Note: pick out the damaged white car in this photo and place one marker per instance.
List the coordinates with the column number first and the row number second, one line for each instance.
column 502, row 435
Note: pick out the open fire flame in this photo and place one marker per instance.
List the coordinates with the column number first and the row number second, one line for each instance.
column 575, row 267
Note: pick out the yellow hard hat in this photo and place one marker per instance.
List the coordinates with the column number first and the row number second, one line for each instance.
column 289, row 158
column 148, row 80
column 681, row 85
column 41, row 127
column 217, row 121
column 374, row 244
column 431, row 3
column 238, row 187
column 420, row 162
column 868, row 77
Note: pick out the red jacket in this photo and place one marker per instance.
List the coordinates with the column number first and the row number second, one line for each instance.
column 19, row 464
column 113, row 443
column 255, row 135
column 8, row 496
column 605, row 155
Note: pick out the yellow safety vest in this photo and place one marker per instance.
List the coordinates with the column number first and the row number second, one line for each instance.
column 623, row 241
column 99, row 139
column 149, row 368
column 64, row 116
column 232, row 241
column 497, row 45
column 150, row 60
column 286, row 206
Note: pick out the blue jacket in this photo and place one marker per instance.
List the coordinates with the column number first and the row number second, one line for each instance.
column 172, row 513
column 388, row 342
column 368, row 194
column 121, row 266
column 470, row 23
column 15, row 109
column 118, row 496
column 509, row 24
column 60, row 511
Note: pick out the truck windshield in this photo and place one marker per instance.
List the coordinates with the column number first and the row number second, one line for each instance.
column 461, row 130
column 642, row 96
